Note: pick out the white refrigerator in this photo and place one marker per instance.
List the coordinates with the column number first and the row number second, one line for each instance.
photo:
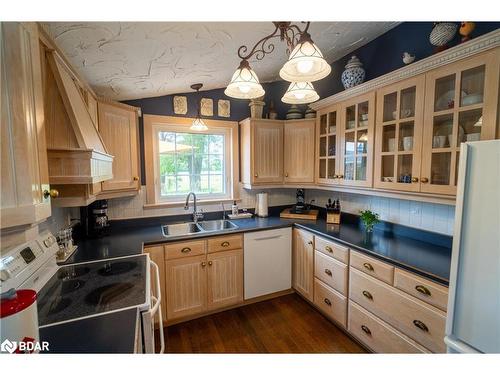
column 473, row 321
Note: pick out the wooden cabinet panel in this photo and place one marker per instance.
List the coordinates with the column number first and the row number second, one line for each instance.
column 225, row 278
column 23, row 148
column 299, row 151
column 398, row 135
column 157, row 255
column 330, row 302
column 422, row 322
column 118, row 128
column 303, row 263
column 331, row 272
column 372, row 267
column 267, row 146
column 377, row 334
column 339, row 252
column 223, row 243
column 186, row 286
column 184, row 249
column 425, row 290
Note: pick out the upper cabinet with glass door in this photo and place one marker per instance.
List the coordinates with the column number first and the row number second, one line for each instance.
column 328, row 163
column 399, row 135
column 357, row 130
column 461, row 105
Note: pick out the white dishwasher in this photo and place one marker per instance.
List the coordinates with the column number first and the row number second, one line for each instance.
column 268, row 261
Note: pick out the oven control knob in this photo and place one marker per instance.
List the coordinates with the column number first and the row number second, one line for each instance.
column 4, row 275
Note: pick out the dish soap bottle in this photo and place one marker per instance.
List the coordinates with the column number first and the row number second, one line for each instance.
column 234, row 208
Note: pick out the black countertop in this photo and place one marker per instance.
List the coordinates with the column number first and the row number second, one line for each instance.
column 108, row 333
column 425, row 253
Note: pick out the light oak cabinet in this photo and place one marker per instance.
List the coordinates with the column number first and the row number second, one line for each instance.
column 25, row 197
column 303, row 263
column 157, row 255
column 197, row 282
column 118, row 127
column 299, row 151
column 328, row 145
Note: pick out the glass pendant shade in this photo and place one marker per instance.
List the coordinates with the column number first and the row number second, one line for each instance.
column 198, row 125
column 244, row 84
column 300, row 93
column 306, row 63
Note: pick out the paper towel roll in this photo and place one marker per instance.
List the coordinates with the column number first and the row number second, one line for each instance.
column 261, row 205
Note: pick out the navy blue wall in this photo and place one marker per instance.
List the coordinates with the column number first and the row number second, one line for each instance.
column 382, row 55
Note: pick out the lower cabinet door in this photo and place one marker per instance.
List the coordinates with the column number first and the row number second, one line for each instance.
column 303, row 263
column 330, row 302
column 225, row 278
column 186, row 286
column 377, row 334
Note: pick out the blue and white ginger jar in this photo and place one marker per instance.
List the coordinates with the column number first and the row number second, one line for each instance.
column 354, row 74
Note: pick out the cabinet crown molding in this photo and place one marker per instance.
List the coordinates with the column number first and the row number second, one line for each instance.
column 473, row 47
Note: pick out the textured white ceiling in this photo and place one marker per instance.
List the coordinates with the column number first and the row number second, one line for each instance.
column 130, row 60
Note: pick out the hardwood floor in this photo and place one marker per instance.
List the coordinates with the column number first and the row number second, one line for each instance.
column 282, row 325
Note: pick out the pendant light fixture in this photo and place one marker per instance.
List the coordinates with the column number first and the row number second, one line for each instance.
column 300, row 93
column 198, row 124
column 244, row 84
column 305, row 65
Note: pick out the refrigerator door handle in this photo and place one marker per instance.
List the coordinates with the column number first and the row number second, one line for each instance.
column 459, row 346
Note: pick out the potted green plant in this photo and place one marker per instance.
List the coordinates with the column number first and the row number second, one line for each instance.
column 369, row 219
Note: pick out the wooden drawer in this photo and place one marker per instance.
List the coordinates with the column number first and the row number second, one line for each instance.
column 332, row 303
column 331, row 272
column 377, row 334
column 422, row 322
column 332, row 249
column 372, row 267
column 184, row 249
column 222, row 243
column 423, row 289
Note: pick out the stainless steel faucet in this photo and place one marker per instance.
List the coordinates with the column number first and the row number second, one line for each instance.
column 223, row 211
column 196, row 215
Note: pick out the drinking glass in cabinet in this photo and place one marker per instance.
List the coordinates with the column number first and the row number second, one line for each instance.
column 440, row 168
column 322, row 124
column 350, row 117
column 388, row 138
column 362, row 114
column 322, row 168
column 322, row 146
column 407, row 102
column 442, row 131
column 349, row 168
column 388, row 168
column 361, row 168
column 362, row 146
column 469, row 126
column 349, row 143
column 406, row 136
column 331, row 168
column 331, row 145
column 444, row 97
column 405, row 168
column 472, row 86
column 390, row 112
column 332, row 122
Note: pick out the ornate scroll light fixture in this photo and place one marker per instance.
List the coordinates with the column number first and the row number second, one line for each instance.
column 305, row 65
column 198, row 124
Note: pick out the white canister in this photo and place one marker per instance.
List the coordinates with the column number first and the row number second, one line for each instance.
column 407, row 143
column 261, row 205
column 18, row 320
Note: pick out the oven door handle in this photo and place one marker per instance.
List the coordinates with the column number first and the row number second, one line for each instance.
column 156, row 305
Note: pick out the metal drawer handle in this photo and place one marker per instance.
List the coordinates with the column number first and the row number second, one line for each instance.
column 327, row 301
column 368, row 266
column 366, row 330
column 225, row 244
column 328, row 272
column 329, row 249
column 420, row 325
column 185, row 250
column 422, row 289
column 368, row 295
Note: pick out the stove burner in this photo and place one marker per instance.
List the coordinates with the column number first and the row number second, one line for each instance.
column 71, row 285
column 116, row 268
column 107, row 294
column 72, row 272
column 58, row 305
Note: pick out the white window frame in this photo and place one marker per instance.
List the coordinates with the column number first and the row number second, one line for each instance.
column 154, row 124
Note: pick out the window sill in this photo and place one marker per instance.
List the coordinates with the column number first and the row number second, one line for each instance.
column 200, row 202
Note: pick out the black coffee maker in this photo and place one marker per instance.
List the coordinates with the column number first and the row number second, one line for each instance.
column 301, row 207
column 94, row 219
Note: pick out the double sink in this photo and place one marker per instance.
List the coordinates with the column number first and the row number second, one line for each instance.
column 185, row 229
